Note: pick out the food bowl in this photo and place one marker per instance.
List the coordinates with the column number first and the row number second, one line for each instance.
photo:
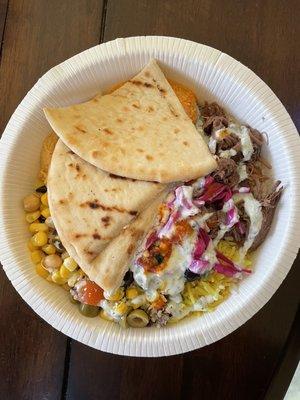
column 212, row 75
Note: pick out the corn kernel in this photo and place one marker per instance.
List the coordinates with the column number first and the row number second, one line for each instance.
column 41, row 271
column 30, row 246
column 57, row 278
column 131, row 293
column 116, row 296
column 36, row 256
column 121, row 308
column 70, row 264
column 37, row 226
column 49, row 249
column 106, row 316
column 44, row 199
column 31, row 217
column 39, row 239
column 64, row 272
column 45, row 212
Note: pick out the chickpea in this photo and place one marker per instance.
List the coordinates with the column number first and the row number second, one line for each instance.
column 52, row 261
column 31, row 203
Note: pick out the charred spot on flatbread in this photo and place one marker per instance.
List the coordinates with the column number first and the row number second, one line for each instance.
column 106, row 220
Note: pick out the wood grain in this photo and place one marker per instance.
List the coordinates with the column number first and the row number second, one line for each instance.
column 3, row 14
column 261, row 34
column 38, row 35
column 242, row 365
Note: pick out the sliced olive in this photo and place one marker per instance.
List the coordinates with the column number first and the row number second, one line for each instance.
column 159, row 258
column 72, row 300
column 128, row 278
column 41, row 189
column 88, row 311
column 137, row 319
column 190, row 276
column 58, row 244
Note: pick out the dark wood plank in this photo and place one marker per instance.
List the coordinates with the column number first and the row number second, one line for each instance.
column 287, row 365
column 38, row 35
column 261, row 34
column 3, row 14
column 242, row 365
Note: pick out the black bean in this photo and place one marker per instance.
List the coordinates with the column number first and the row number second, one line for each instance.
column 41, row 189
column 190, row 276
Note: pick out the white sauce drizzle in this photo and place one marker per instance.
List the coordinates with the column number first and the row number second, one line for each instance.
column 253, row 209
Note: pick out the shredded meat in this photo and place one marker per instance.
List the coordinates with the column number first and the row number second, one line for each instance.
column 214, row 118
column 214, row 222
column 239, row 232
column 257, row 140
column 228, row 142
column 227, row 172
column 212, row 110
column 269, row 204
column 256, row 180
column 213, row 124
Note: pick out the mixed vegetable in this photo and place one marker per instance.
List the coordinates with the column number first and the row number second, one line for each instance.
column 197, row 251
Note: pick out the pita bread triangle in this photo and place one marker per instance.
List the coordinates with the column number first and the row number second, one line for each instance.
column 139, row 131
column 90, row 207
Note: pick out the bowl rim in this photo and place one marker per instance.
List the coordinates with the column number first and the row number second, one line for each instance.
column 184, row 341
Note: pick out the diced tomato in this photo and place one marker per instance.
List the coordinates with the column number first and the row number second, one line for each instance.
column 91, row 293
column 159, row 303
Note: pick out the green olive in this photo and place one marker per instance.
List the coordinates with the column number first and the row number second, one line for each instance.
column 88, row 311
column 72, row 300
column 137, row 319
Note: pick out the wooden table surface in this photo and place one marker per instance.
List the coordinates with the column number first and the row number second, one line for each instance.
column 256, row 361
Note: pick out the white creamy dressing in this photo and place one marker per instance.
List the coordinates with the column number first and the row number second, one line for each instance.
column 227, row 153
column 108, row 307
column 225, row 228
column 246, row 144
column 171, row 279
column 198, row 221
column 242, row 132
column 186, row 192
column 210, row 254
column 212, row 144
column 253, row 209
column 199, row 183
column 242, row 171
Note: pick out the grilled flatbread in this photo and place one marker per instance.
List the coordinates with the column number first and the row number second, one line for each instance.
column 139, row 131
column 90, row 207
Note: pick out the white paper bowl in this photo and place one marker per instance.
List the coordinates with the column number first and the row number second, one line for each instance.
column 213, row 76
